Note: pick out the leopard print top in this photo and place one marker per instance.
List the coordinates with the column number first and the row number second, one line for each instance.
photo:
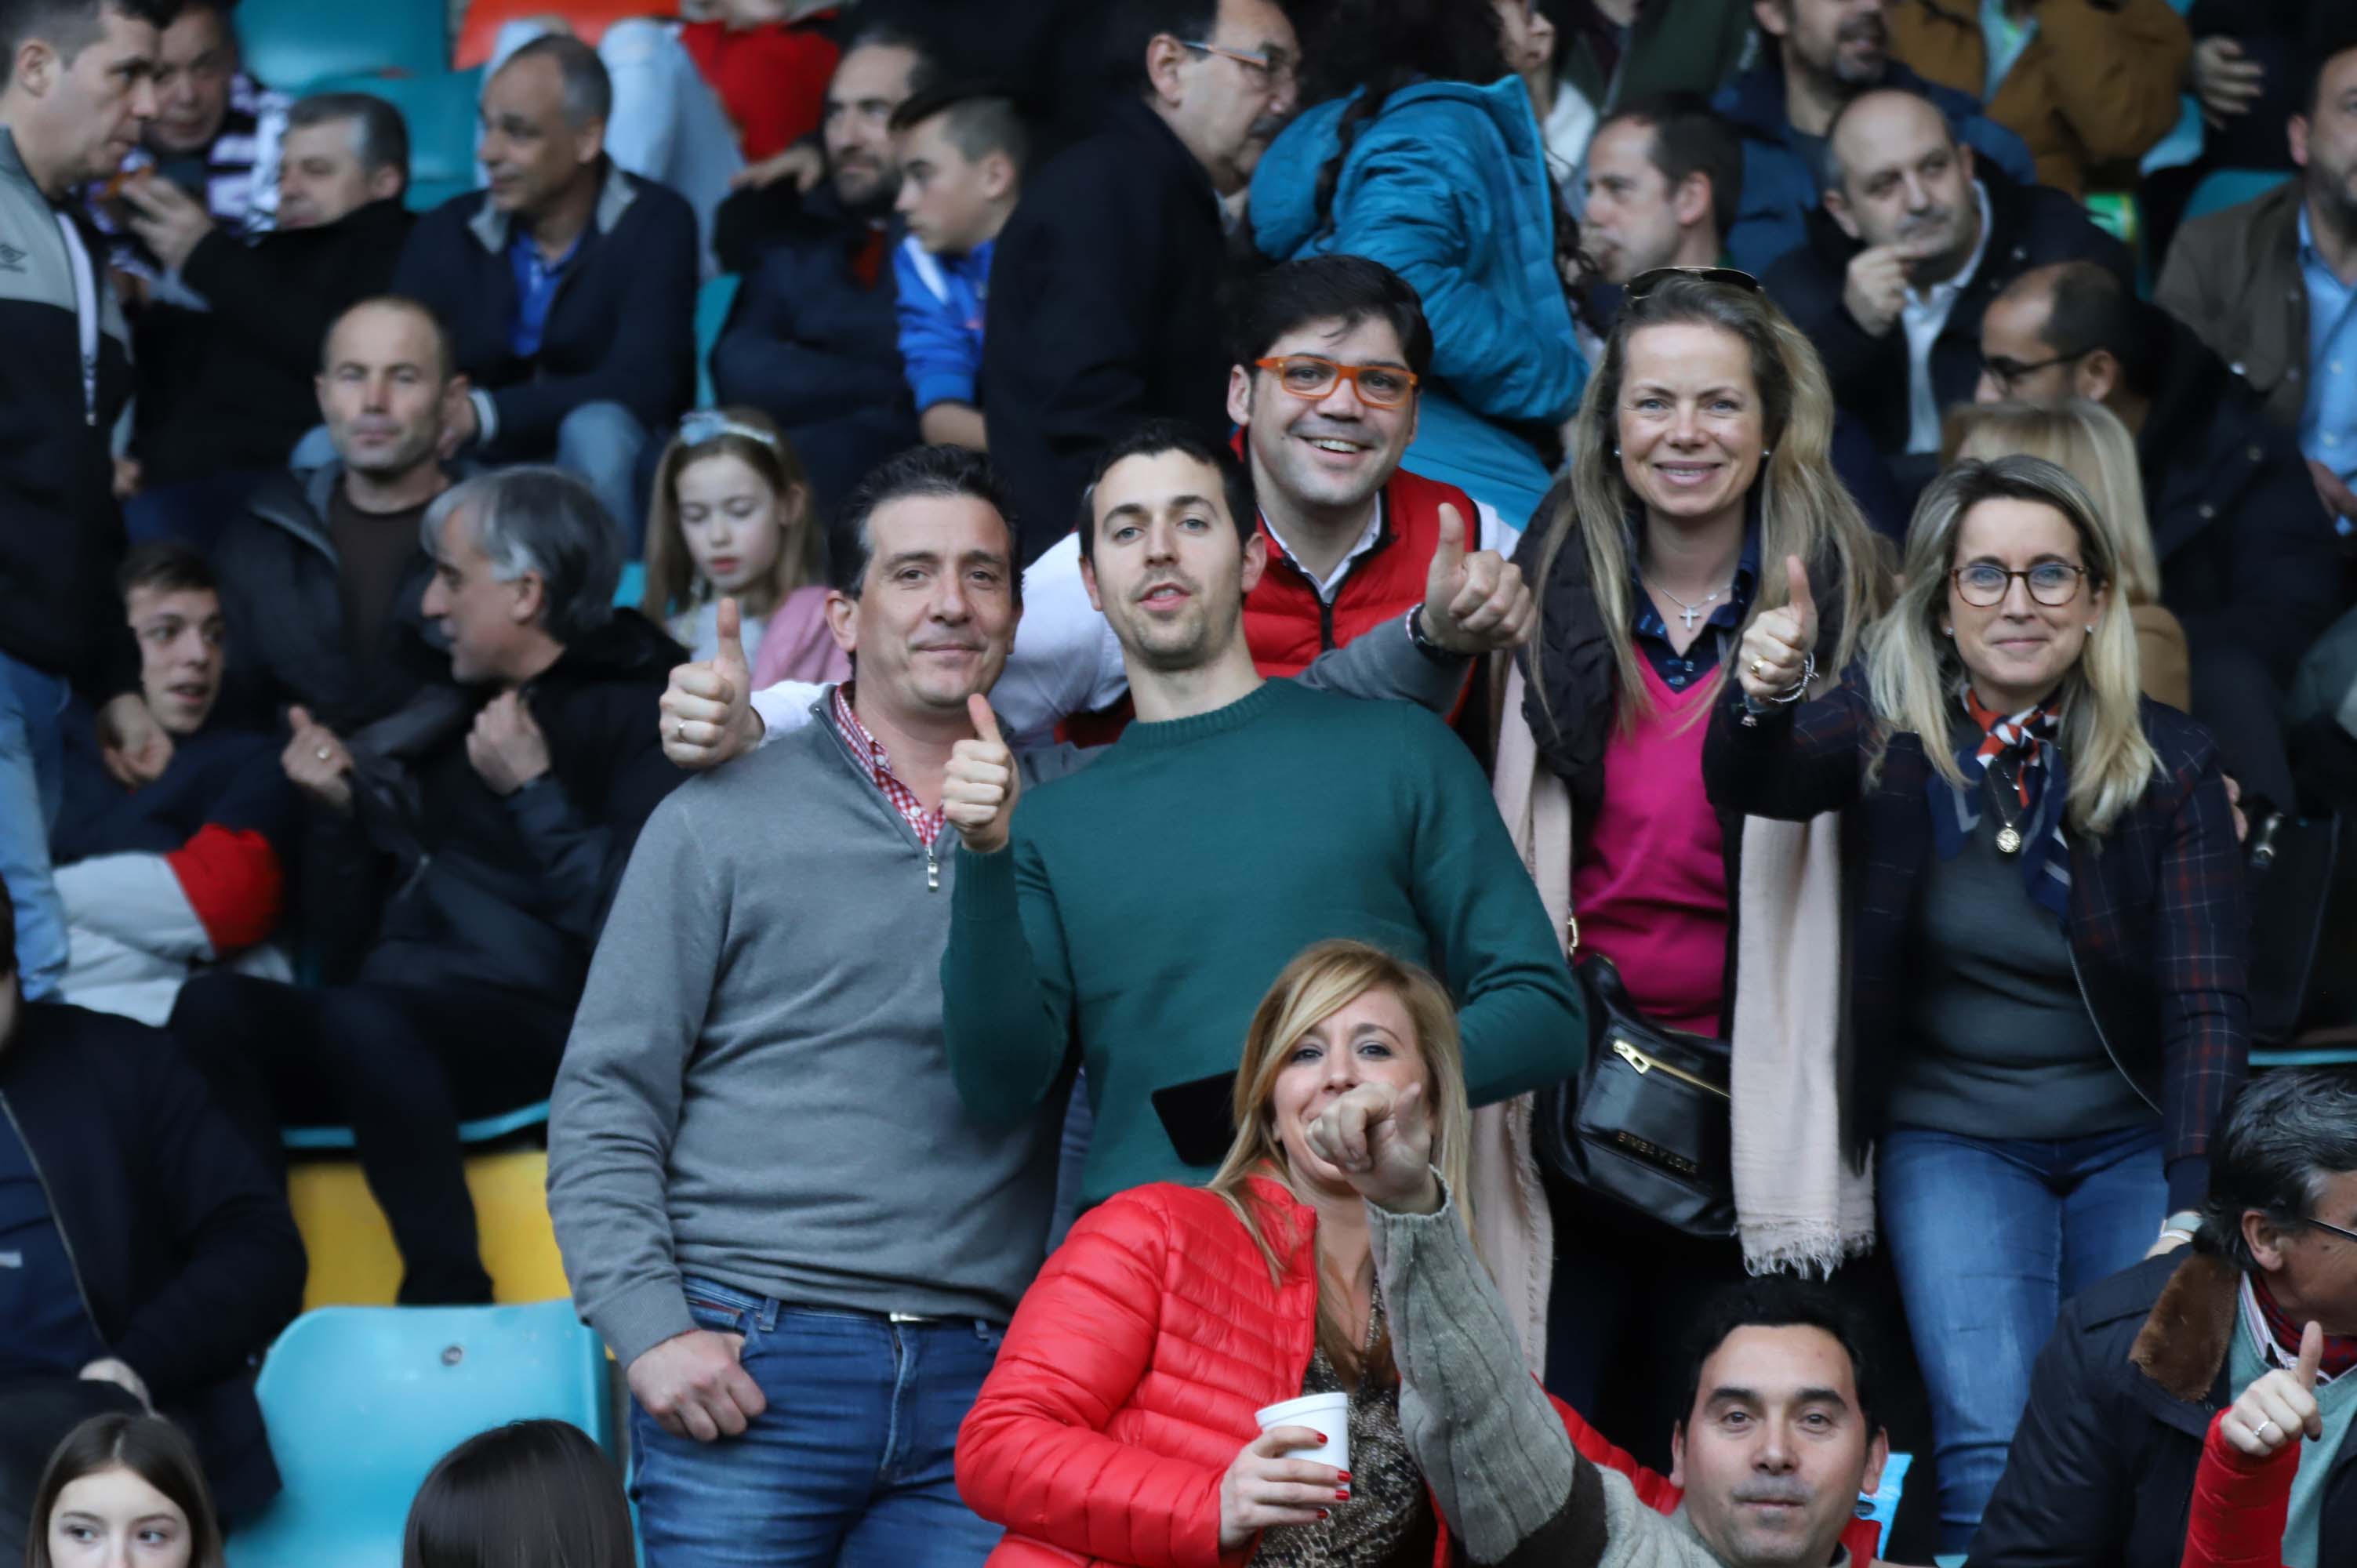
column 1389, row 1520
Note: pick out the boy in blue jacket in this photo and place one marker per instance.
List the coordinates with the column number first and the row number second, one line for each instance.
column 962, row 152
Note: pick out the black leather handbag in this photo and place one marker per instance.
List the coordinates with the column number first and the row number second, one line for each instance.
column 1646, row 1125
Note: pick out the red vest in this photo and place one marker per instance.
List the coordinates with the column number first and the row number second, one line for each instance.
column 1286, row 625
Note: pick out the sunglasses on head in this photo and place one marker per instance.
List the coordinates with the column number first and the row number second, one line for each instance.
column 1646, row 282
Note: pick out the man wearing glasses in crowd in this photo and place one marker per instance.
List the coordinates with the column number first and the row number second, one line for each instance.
column 1328, row 351
column 1105, row 277
column 2143, row 1369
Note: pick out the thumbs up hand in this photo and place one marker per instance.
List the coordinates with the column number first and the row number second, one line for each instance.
column 1774, row 657
column 1475, row 603
column 2281, row 1405
column 707, row 708
column 979, row 787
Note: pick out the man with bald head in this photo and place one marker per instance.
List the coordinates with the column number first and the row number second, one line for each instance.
column 1915, row 237
column 2249, row 562
column 322, row 573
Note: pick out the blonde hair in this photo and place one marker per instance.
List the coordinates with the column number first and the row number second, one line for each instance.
column 1804, row 510
column 1914, row 671
column 673, row 583
column 2087, row 441
column 1322, row 980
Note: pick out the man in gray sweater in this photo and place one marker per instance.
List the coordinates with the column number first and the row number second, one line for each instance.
column 771, row 1201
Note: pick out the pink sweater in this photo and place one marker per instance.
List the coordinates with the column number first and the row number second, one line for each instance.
column 1649, row 888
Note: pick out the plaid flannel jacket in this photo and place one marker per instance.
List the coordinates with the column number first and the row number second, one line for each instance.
column 2159, row 932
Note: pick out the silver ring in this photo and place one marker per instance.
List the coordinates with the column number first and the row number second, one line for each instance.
column 2260, row 1431
column 325, row 754
column 679, row 731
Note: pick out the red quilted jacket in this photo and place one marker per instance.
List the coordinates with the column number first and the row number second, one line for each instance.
column 1128, row 1380
column 2240, row 1505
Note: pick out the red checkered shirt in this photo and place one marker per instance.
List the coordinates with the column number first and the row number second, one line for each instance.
column 926, row 825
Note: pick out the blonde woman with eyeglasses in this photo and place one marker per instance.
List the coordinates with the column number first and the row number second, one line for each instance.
column 2047, row 941
column 2088, row 442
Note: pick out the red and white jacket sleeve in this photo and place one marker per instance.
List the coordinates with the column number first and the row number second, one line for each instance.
column 220, row 892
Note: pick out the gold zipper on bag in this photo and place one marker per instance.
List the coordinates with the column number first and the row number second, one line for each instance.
column 1645, row 1064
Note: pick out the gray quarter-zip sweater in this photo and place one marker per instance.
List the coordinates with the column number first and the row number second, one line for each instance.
column 756, row 1090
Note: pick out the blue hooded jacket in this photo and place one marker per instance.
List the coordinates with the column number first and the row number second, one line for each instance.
column 1779, row 181
column 1448, row 188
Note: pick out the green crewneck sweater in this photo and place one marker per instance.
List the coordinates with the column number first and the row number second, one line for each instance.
column 1143, row 905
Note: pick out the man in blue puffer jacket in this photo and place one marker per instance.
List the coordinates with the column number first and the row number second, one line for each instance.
column 1447, row 185
column 1828, row 52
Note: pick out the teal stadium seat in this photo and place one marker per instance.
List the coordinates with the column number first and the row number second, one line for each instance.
column 713, row 303
column 2231, row 188
column 361, row 1401
column 485, row 1130
column 440, row 110
column 632, row 587
column 292, row 44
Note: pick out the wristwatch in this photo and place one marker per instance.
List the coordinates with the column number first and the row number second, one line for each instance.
column 1424, row 644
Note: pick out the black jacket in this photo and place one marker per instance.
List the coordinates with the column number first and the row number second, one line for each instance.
column 235, row 390
column 621, row 329
column 2247, row 553
column 2101, row 1471
column 2030, row 226
column 286, row 613
column 512, row 892
column 188, row 1258
column 816, row 347
column 2158, row 934
column 61, row 530
column 1103, row 310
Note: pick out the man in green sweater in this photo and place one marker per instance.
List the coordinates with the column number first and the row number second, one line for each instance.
column 1134, row 913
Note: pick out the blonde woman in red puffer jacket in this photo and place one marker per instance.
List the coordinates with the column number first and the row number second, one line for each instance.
column 1118, row 1424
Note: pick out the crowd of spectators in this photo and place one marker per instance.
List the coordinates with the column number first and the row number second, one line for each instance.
column 1270, row 608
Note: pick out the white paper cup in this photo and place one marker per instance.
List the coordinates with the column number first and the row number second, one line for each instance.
column 1328, row 1414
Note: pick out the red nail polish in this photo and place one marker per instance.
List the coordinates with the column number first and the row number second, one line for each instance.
column 1322, row 1514
column 1342, row 1475
column 1343, row 1496
column 1321, row 1440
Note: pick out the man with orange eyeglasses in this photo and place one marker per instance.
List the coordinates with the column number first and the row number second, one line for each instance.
column 1328, row 353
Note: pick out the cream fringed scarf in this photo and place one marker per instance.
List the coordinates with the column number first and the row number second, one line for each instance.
column 1798, row 1204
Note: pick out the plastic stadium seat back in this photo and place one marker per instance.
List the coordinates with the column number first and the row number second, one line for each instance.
column 482, row 1131
column 714, row 301
column 478, row 35
column 2229, row 187
column 353, row 1261
column 439, row 108
column 291, row 44
column 361, row 1401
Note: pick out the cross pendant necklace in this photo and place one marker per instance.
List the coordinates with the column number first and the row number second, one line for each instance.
column 1689, row 613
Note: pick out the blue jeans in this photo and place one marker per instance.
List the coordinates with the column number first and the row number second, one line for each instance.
column 599, row 443
column 851, row 1464
column 32, row 785
column 1989, row 1239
